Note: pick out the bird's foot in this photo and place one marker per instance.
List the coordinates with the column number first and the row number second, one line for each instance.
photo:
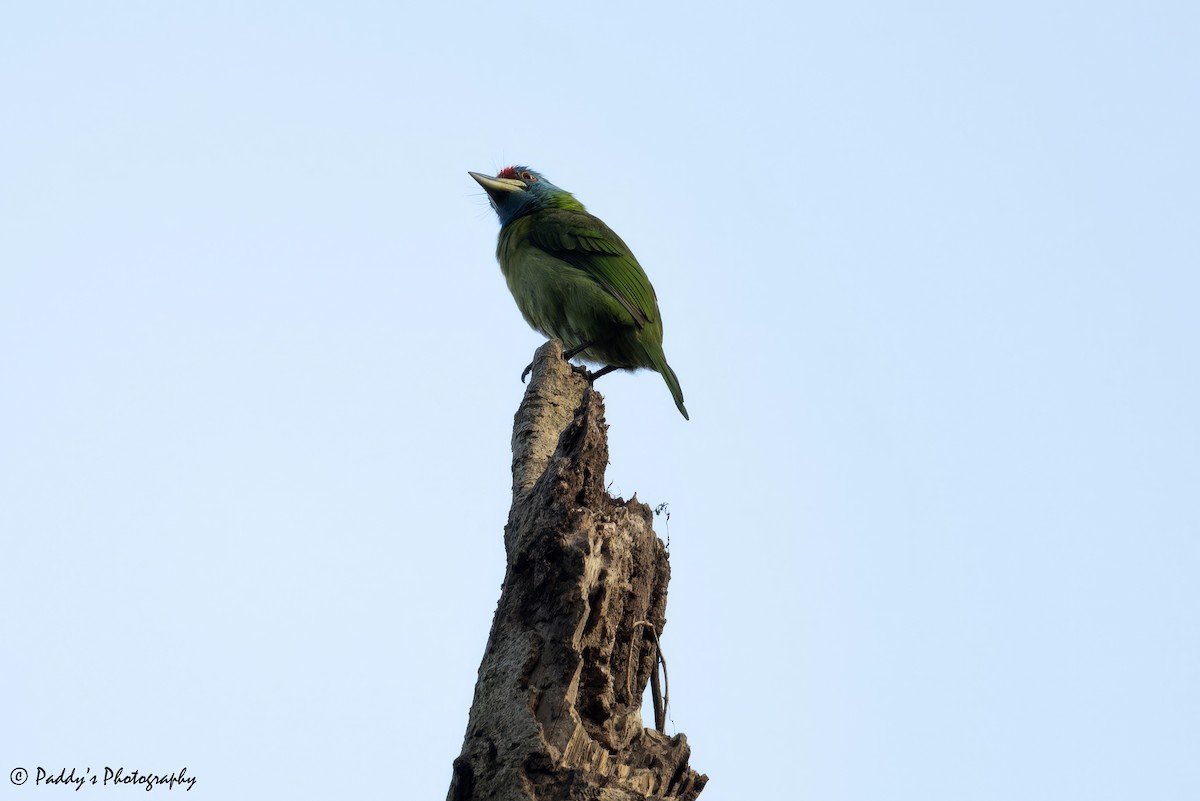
column 588, row 375
column 573, row 352
column 578, row 369
column 601, row 372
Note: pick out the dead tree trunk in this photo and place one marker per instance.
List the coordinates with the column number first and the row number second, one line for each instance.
column 557, row 709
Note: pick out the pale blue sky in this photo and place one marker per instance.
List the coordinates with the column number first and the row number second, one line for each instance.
column 929, row 274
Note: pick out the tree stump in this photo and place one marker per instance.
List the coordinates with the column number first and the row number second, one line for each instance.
column 557, row 708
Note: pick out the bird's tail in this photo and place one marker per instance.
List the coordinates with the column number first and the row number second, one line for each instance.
column 659, row 361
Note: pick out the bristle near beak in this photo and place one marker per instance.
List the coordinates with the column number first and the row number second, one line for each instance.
column 497, row 188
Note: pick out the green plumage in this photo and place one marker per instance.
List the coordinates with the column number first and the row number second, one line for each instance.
column 574, row 279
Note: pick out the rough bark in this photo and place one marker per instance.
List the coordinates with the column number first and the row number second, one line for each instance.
column 557, row 708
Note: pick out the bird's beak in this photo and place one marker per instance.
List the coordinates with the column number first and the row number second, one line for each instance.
column 497, row 188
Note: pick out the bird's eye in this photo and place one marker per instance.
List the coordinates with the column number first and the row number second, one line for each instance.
column 528, row 176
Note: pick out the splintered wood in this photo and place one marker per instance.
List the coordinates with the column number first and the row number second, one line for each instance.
column 556, row 715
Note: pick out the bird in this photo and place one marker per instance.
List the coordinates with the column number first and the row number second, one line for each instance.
column 574, row 279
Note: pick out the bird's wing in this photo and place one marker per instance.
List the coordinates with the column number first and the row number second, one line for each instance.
column 586, row 243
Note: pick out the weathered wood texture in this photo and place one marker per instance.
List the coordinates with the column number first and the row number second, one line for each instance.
column 557, row 713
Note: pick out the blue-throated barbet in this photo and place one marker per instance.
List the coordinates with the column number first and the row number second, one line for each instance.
column 574, row 279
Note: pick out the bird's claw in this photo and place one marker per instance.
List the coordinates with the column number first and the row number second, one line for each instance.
column 578, row 369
